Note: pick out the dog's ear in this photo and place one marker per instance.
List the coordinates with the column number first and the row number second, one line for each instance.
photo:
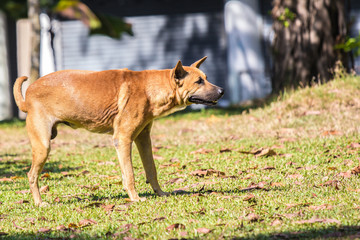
column 179, row 72
column 198, row 62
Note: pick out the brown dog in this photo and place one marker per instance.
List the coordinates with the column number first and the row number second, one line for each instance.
column 123, row 103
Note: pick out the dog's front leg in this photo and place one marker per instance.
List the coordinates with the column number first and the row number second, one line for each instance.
column 143, row 143
column 123, row 149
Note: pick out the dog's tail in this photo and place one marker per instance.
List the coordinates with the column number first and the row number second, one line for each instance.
column 19, row 99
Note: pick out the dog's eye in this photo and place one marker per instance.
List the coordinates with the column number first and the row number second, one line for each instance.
column 200, row 81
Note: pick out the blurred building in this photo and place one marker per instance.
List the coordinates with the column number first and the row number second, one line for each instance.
column 235, row 35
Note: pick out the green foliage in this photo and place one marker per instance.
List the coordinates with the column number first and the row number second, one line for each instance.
column 99, row 23
column 111, row 26
column 286, row 17
column 351, row 44
column 14, row 8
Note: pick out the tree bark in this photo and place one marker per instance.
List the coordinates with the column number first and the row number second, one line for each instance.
column 33, row 15
column 304, row 41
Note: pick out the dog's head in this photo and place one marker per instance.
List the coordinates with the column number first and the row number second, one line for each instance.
column 193, row 86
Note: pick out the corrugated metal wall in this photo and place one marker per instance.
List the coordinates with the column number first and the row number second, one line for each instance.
column 159, row 42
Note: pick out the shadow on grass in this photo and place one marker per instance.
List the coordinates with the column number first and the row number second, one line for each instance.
column 12, row 168
column 329, row 232
column 200, row 192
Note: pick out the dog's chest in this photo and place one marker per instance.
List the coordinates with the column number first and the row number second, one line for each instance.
column 172, row 110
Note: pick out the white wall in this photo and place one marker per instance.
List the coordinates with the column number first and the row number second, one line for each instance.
column 247, row 78
column 5, row 104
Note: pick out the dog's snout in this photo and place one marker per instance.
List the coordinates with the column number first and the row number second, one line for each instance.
column 221, row 91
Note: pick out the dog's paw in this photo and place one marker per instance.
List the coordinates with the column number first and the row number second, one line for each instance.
column 139, row 199
column 43, row 204
column 163, row 194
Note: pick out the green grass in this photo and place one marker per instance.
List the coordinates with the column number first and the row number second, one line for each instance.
column 314, row 132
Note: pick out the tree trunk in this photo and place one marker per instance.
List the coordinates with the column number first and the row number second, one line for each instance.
column 306, row 32
column 33, row 15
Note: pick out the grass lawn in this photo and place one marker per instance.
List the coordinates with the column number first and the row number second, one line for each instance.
column 289, row 169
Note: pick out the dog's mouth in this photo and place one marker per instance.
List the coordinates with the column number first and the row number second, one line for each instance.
column 196, row 100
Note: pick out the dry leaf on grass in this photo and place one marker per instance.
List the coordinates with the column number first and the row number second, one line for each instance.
column 292, row 215
column 73, row 225
column 126, row 228
column 61, row 228
column 107, row 163
column 276, row 222
column 331, row 132
column 79, row 210
column 31, row 220
column 346, row 174
column 249, row 197
column 310, row 167
column 159, row 219
column 311, row 112
column 202, row 151
column 223, row 150
column 87, row 222
column 285, row 155
column 6, row 179
column 201, row 211
column 354, row 145
column 260, row 185
column 277, row 184
column 45, row 175
column 348, row 162
column 16, row 177
column 108, row 208
column 268, row 168
column 261, row 152
column 291, row 205
column 22, row 201
column 324, row 206
column 289, row 139
column 227, row 197
column 44, row 230
column 203, row 230
column 83, row 172
column 67, row 174
column 295, row 176
column 92, row 188
column 207, row 172
column 265, row 153
column 169, row 165
column 175, row 226
column 219, row 210
column 252, row 217
column 16, row 226
column 333, row 183
column 355, row 170
column 44, row 189
column 158, row 157
column 202, row 183
column 23, row 192
column 318, row 220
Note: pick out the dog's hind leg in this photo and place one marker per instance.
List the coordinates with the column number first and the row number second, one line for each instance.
column 143, row 143
column 39, row 130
